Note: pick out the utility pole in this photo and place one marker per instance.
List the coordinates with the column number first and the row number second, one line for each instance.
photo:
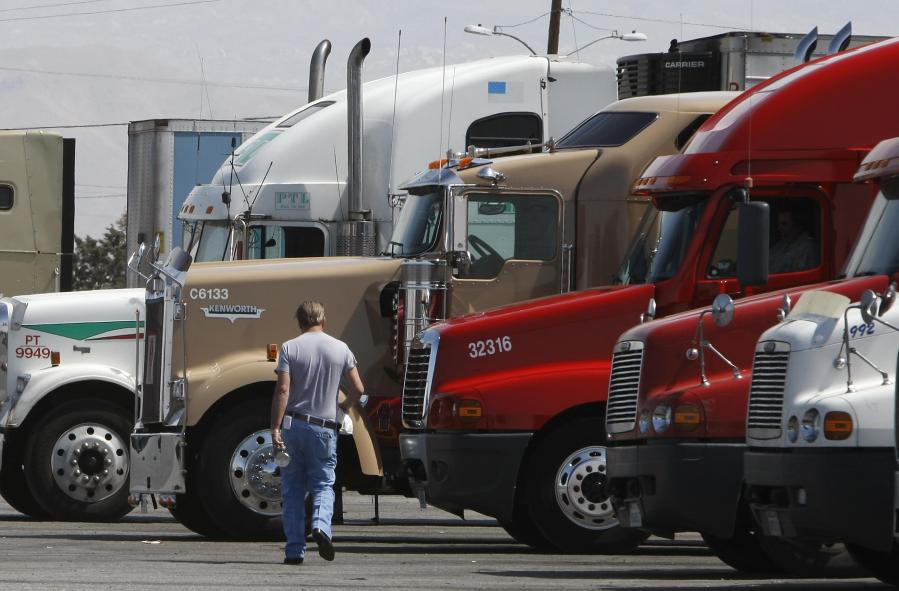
column 555, row 16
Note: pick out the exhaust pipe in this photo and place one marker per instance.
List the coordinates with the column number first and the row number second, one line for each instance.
column 841, row 39
column 807, row 46
column 358, row 232
column 317, row 69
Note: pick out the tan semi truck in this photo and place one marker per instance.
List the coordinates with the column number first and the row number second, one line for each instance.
column 37, row 203
column 469, row 236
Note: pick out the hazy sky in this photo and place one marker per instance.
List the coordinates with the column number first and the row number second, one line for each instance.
column 107, row 62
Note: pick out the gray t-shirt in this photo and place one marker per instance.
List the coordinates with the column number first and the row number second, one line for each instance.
column 315, row 361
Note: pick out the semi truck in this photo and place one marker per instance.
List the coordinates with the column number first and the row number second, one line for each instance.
column 682, row 414
column 469, row 237
column 67, row 374
column 37, row 212
column 821, row 424
column 533, row 449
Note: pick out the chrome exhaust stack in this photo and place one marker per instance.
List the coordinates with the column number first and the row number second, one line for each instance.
column 317, row 70
column 358, row 235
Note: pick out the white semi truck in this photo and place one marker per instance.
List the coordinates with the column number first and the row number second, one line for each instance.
column 822, row 425
column 67, row 361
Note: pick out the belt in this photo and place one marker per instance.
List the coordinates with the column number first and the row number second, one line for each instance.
column 315, row 421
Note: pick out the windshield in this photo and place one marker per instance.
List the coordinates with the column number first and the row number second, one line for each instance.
column 211, row 240
column 661, row 240
column 879, row 255
column 418, row 225
column 607, row 129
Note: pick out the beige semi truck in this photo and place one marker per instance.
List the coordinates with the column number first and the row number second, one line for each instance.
column 37, row 202
column 470, row 235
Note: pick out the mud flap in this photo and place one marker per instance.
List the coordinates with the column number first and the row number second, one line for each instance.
column 364, row 437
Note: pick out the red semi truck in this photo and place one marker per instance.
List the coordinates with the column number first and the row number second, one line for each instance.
column 506, row 409
column 677, row 418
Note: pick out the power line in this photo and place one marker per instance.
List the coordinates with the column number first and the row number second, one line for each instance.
column 152, row 79
column 57, row 5
column 536, row 18
column 83, row 126
column 109, row 10
column 660, row 20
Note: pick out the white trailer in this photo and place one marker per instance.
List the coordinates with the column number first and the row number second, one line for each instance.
column 822, row 424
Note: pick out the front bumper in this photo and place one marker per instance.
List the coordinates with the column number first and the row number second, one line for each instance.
column 670, row 487
column 157, row 463
column 459, row 471
column 824, row 495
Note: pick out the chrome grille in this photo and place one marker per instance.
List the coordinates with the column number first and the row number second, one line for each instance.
column 415, row 386
column 624, row 386
column 766, row 393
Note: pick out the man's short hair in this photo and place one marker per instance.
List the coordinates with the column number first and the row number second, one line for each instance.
column 310, row 314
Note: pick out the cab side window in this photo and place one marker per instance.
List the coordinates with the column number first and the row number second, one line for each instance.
column 6, row 198
column 794, row 240
column 275, row 242
column 521, row 227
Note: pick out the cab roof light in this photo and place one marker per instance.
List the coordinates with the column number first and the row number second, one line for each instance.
column 837, row 425
column 687, row 417
column 645, row 185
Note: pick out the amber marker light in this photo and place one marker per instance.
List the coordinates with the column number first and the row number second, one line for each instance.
column 837, row 425
column 687, row 417
column 54, row 358
column 469, row 409
column 272, row 352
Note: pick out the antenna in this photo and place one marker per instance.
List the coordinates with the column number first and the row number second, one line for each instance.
column 577, row 50
column 442, row 97
column 261, row 184
column 747, row 182
column 396, row 84
column 337, row 181
column 449, row 123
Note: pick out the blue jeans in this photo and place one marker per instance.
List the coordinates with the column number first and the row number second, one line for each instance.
column 313, row 459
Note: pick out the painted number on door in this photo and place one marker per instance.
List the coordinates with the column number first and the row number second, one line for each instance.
column 489, row 347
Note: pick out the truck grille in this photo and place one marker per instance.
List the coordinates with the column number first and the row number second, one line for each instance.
column 416, row 385
column 624, row 386
column 766, row 393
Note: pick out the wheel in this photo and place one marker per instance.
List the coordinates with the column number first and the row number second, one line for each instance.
column 566, row 493
column 13, row 487
column 76, row 463
column 191, row 513
column 237, row 477
column 811, row 559
column 883, row 565
column 524, row 530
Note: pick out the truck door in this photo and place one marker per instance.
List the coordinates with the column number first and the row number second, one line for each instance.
column 513, row 243
column 798, row 249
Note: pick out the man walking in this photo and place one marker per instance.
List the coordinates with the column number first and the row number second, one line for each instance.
column 309, row 370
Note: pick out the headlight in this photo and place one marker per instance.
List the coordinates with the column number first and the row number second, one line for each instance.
column 811, row 425
column 644, row 421
column 661, row 418
column 793, row 429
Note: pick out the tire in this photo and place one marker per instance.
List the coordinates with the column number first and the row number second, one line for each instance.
column 742, row 552
column 76, row 463
column 234, row 448
column 13, row 486
column 571, row 520
column 811, row 559
column 524, row 531
column 883, row 565
column 192, row 514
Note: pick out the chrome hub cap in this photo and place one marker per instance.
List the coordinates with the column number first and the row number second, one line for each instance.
column 255, row 479
column 90, row 463
column 581, row 489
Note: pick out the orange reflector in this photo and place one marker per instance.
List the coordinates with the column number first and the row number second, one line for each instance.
column 272, row 350
column 465, row 162
column 469, row 409
column 435, row 164
column 54, row 358
column 837, row 425
column 209, row 209
column 687, row 416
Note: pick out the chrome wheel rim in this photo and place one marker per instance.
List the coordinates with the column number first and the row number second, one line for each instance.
column 581, row 492
column 255, row 479
column 90, row 462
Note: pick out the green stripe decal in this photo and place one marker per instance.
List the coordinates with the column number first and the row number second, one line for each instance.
column 82, row 330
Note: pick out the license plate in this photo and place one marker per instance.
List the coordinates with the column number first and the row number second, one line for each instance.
column 772, row 520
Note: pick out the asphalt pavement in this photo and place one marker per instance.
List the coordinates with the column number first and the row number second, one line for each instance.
column 407, row 548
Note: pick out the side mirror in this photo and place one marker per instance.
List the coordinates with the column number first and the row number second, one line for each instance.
column 869, row 304
column 887, row 299
column 786, row 305
column 491, row 208
column 752, row 243
column 650, row 313
column 157, row 245
column 722, row 310
column 461, row 262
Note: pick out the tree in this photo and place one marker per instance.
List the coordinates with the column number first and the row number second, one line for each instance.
column 100, row 264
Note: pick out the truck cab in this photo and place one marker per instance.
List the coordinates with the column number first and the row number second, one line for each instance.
column 821, row 462
column 470, row 235
column 506, row 429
